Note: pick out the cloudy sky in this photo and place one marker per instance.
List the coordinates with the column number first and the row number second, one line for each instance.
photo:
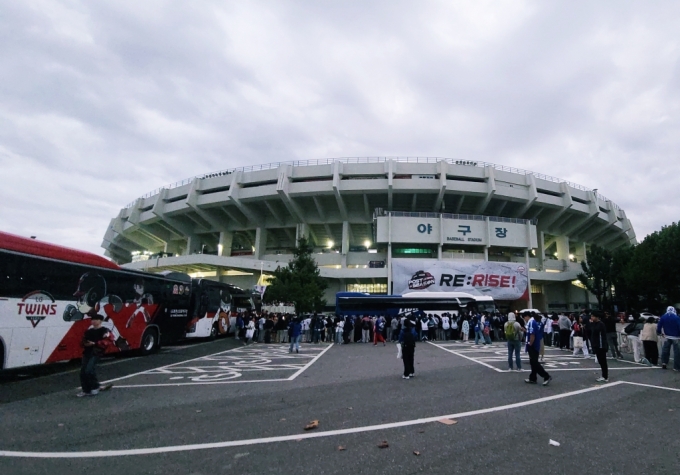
column 101, row 102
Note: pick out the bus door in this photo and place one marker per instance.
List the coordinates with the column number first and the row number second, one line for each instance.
column 205, row 309
column 26, row 347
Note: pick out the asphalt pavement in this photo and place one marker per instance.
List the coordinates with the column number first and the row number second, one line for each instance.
column 219, row 407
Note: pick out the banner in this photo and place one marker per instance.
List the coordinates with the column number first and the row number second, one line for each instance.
column 500, row 280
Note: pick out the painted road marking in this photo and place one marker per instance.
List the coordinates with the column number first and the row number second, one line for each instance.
column 247, row 364
column 312, row 435
column 555, row 360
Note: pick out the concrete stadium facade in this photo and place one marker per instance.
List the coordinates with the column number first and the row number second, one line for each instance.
column 235, row 224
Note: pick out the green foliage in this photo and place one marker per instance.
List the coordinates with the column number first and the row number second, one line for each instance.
column 299, row 282
column 597, row 274
column 654, row 269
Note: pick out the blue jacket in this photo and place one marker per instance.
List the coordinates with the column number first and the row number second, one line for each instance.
column 670, row 324
column 295, row 328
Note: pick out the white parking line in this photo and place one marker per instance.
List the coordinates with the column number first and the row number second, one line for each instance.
column 302, row 370
column 166, row 366
column 557, row 358
column 228, row 378
column 296, row 437
column 466, row 357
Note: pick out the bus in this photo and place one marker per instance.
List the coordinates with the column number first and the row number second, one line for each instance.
column 479, row 303
column 48, row 294
column 214, row 307
column 355, row 303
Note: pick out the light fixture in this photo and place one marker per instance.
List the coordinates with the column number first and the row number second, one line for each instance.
column 330, row 244
column 571, row 257
column 367, row 243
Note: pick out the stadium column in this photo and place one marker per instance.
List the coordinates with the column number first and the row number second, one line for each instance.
column 562, row 247
column 389, row 253
column 441, row 237
column 541, row 250
column 260, row 242
column 193, row 245
column 224, row 246
column 526, row 260
column 345, row 242
column 301, row 231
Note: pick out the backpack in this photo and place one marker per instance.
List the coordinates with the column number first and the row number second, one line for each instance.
column 365, row 325
column 630, row 328
column 510, row 331
column 454, row 325
column 381, row 325
column 409, row 340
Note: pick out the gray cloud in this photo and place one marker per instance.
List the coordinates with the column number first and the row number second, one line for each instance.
column 102, row 102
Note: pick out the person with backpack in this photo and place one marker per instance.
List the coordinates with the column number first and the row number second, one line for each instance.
column 407, row 340
column 513, row 334
column 477, row 328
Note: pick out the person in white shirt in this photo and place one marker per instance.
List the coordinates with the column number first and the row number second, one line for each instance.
column 446, row 326
column 306, row 336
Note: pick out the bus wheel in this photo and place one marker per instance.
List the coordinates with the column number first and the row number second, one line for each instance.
column 213, row 332
column 149, row 341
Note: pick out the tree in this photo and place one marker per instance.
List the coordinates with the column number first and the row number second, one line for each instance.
column 653, row 271
column 597, row 274
column 299, row 282
column 624, row 289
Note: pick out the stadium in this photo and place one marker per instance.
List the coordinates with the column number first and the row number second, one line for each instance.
column 378, row 225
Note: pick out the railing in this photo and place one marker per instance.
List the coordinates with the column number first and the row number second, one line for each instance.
column 330, row 161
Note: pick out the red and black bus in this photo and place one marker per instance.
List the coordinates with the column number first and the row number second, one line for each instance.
column 48, row 294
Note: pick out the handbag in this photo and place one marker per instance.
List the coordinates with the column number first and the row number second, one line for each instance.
column 578, row 342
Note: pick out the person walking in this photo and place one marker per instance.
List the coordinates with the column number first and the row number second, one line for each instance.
column 295, row 334
column 613, row 336
column 95, row 341
column 650, row 341
column 513, row 335
column 534, row 335
column 407, row 339
column 669, row 326
column 598, row 343
column 378, row 328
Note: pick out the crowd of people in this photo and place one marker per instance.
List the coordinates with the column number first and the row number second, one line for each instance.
column 587, row 333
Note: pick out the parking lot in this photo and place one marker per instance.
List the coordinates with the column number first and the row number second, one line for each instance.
column 220, row 407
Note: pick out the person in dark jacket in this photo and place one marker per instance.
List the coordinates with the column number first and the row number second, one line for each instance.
column 598, row 342
column 95, row 341
column 295, row 333
column 407, row 338
column 612, row 335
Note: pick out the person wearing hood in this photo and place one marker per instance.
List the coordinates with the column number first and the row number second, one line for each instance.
column 669, row 326
column 513, row 334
